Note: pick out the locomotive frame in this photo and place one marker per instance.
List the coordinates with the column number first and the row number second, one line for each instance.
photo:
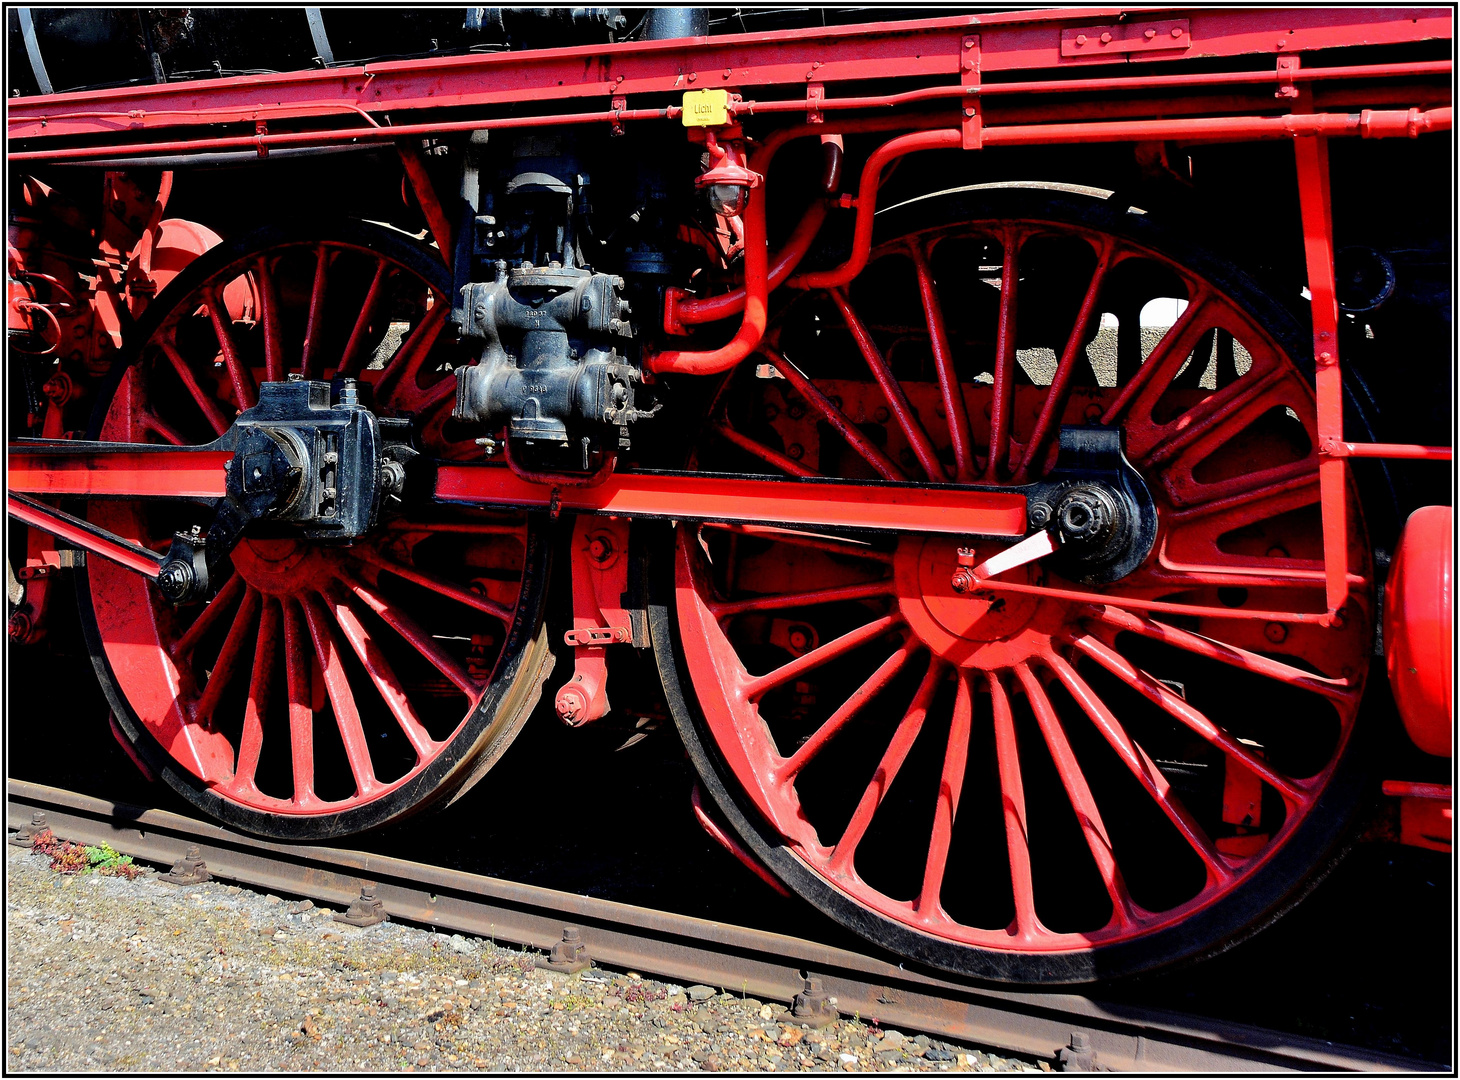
column 1044, row 491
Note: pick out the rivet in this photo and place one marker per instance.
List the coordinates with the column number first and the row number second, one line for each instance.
column 1105, row 38
column 1176, row 31
column 1080, row 40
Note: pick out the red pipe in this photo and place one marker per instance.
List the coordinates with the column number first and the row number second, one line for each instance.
column 752, row 325
column 867, row 202
column 313, row 138
column 1069, row 86
column 682, row 310
column 1387, row 450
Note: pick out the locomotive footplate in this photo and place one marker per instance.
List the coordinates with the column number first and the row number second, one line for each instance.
column 324, row 469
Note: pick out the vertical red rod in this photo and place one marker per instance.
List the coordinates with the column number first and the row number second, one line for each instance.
column 1317, row 213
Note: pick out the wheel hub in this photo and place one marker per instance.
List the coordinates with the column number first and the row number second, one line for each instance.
column 280, row 567
column 964, row 627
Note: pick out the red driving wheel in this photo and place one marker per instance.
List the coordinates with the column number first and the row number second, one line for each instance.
column 324, row 689
column 1038, row 780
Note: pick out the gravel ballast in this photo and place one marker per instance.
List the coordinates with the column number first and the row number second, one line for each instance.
column 108, row 974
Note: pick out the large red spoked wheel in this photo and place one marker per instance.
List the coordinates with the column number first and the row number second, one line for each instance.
column 1041, row 780
column 324, row 689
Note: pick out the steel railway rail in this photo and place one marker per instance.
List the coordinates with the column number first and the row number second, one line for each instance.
column 768, row 965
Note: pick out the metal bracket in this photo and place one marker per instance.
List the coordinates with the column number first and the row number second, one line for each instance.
column 567, row 956
column 618, row 105
column 189, row 870
column 26, row 834
column 600, row 580
column 1125, row 38
column 1077, row 1056
column 812, row 1006
column 1287, row 67
column 815, row 95
column 970, row 65
column 367, row 910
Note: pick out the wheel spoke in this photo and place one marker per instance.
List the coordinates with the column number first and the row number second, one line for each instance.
column 1001, row 421
column 225, row 666
column 758, row 687
column 251, row 741
column 847, row 711
column 1227, row 654
column 271, row 317
column 337, row 685
column 417, row 637
column 1231, row 409
column 384, row 678
column 724, row 609
column 912, row 428
column 297, row 664
column 435, row 583
column 948, row 384
column 245, row 390
column 206, row 402
column 150, row 421
column 786, row 464
column 950, row 785
column 887, row 769
column 1159, row 694
column 208, row 616
column 309, row 366
column 1140, row 765
column 402, row 368
column 1150, row 380
column 1059, row 388
column 353, row 358
column 1097, row 838
column 1016, row 823
column 865, row 448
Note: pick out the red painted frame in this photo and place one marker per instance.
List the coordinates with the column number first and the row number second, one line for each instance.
column 1003, row 46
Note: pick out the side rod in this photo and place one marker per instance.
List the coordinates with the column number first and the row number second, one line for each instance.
column 84, row 535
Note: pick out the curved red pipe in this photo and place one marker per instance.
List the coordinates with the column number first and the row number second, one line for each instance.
column 867, row 203
column 752, row 326
column 682, row 310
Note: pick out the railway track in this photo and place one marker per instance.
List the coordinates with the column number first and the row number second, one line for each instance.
column 767, row 965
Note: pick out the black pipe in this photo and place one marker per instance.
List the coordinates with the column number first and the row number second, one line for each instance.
column 661, row 24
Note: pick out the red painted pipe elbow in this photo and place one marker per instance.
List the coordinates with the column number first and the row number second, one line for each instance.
column 867, row 203
column 681, row 310
column 752, row 324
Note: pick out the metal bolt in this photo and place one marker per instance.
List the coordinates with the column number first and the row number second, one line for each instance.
column 771, row 412
column 1176, row 31
column 693, row 76
column 796, row 451
column 796, row 409
column 1275, row 632
column 1277, row 551
column 881, row 415
column 1150, row 35
column 962, row 580
column 600, row 548
column 1080, row 40
column 1039, row 514
column 798, row 637
column 968, row 110
column 1093, row 412
column 19, row 627
column 1105, row 38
